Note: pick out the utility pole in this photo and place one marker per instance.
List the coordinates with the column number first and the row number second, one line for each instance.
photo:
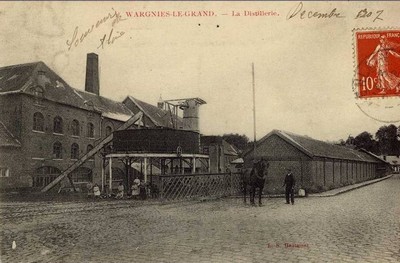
column 254, row 110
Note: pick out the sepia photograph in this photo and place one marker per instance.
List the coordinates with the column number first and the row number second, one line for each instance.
column 199, row 131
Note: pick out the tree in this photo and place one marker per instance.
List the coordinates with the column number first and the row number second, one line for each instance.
column 387, row 138
column 239, row 141
column 364, row 141
column 350, row 141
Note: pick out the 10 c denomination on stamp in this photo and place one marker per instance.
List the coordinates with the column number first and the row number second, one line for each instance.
column 378, row 63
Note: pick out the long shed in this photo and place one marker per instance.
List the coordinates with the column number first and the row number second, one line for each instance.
column 317, row 165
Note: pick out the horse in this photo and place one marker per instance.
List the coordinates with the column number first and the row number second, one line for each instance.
column 254, row 178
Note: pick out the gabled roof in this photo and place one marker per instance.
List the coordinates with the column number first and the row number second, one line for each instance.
column 22, row 78
column 7, row 139
column 13, row 78
column 229, row 149
column 316, row 148
column 160, row 117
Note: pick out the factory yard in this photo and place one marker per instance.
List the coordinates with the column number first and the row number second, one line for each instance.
column 359, row 226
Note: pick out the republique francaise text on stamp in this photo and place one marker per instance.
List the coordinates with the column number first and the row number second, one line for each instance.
column 378, row 63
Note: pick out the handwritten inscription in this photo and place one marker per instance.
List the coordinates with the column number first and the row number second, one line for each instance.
column 79, row 37
column 299, row 12
column 110, row 38
column 365, row 13
column 302, row 14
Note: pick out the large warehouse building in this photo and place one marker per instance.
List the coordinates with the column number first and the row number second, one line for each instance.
column 317, row 165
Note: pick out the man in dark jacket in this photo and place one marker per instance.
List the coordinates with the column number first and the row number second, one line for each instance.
column 289, row 183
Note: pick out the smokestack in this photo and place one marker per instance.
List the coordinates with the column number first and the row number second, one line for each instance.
column 92, row 74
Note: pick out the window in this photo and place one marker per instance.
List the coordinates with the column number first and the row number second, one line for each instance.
column 58, row 125
column 108, row 130
column 57, row 150
column 75, row 127
column 39, row 92
column 4, row 172
column 82, row 175
column 90, row 130
column 206, row 150
column 74, row 151
column 45, row 175
column 38, row 121
column 88, row 149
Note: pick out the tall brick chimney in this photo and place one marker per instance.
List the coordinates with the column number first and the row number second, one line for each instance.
column 92, row 83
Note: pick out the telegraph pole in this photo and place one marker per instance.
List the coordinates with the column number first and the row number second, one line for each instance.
column 254, row 109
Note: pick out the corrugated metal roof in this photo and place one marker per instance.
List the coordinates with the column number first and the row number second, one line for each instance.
column 7, row 139
column 21, row 78
column 316, row 148
column 160, row 117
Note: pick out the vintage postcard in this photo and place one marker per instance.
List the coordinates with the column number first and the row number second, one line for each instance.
column 199, row 131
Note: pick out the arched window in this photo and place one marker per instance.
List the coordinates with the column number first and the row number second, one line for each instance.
column 108, row 130
column 90, row 130
column 38, row 121
column 57, row 150
column 58, row 125
column 74, row 151
column 88, row 149
column 75, row 127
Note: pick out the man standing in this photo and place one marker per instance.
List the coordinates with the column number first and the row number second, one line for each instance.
column 289, row 183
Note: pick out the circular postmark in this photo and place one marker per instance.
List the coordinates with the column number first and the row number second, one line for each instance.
column 376, row 81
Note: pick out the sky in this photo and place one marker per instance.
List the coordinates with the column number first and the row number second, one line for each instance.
column 304, row 67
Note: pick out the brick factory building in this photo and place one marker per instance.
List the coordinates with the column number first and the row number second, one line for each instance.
column 317, row 165
column 46, row 125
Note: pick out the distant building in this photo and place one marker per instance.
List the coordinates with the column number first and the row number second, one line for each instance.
column 220, row 151
column 317, row 165
column 394, row 160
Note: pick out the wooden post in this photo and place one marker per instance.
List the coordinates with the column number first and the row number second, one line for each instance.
column 151, row 167
column 181, row 166
column 324, row 171
column 102, row 174
column 162, row 187
column 254, row 109
column 193, row 165
column 333, row 171
column 110, row 169
column 145, row 170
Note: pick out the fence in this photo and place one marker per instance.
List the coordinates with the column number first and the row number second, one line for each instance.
column 187, row 186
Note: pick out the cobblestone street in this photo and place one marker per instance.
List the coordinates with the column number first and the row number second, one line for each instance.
column 359, row 226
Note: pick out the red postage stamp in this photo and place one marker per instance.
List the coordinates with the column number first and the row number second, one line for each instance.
column 378, row 63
